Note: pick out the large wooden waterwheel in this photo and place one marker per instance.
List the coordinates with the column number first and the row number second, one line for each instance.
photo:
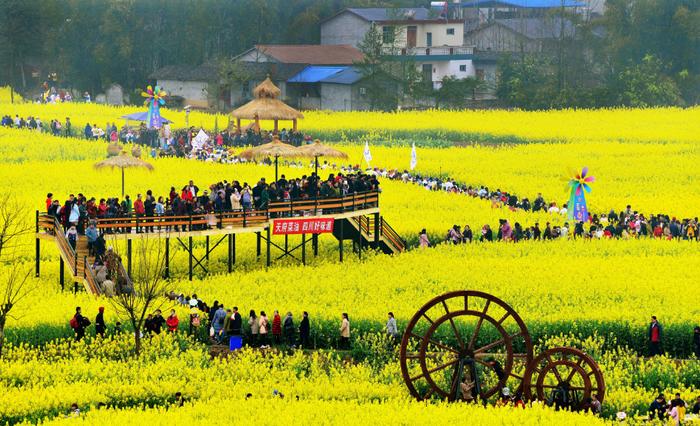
column 469, row 346
column 464, row 345
column 564, row 378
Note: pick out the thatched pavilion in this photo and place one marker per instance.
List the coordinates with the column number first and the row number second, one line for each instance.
column 266, row 106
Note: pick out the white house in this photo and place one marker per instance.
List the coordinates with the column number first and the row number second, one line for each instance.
column 433, row 43
column 194, row 85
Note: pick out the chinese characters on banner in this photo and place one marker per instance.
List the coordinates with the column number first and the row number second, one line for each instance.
column 302, row 226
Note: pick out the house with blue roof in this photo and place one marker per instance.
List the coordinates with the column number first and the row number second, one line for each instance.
column 333, row 88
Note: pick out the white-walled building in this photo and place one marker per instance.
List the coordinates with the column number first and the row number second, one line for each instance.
column 433, row 43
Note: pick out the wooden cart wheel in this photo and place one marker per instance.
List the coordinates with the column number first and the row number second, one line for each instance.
column 464, row 345
column 563, row 377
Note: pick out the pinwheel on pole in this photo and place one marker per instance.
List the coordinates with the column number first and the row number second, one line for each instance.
column 155, row 98
column 578, row 186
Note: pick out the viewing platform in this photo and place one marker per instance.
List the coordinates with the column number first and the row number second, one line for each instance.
column 353, row 217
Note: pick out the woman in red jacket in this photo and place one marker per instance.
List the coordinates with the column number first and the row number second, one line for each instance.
column 277, row 328
column 172, row 322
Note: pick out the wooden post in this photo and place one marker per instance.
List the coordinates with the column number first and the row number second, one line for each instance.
column 190, row 265
column 268, row 246
column 294, row 124
column 238, row 124
column 257, row 246
column 167, row 258
column 275, row 125
column 38, row 247
column 207, row 252
column 314, row 243
column 303, row 249
column 128, row 256
column 376, row 230
column 62, row 272
column 359, row 240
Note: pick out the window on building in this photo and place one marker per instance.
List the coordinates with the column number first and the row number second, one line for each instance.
column 428, row 39
column 450, row 31
column 463, row 68
column 480, row 75
column 363, row 91
column 427, row 71
column 387, row 35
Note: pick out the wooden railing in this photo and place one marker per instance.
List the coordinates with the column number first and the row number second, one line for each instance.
column 367, row 226
column 390, row 234
column 237, row 218
column 69, row 253
column 90, row 277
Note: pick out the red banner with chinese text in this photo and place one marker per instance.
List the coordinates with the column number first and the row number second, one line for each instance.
column 302, row 226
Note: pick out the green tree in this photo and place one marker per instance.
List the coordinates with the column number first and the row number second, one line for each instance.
column 645, row 85
column 456, row 92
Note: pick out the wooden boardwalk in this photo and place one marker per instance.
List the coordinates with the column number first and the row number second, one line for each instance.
column 356, row 217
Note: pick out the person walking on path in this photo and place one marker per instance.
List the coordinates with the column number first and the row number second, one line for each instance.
column 172, row 322
column 345, row 332
column 277, row 327
column 655, row 335
column 254, row 328
column 263, row 324
column 79, row 323
column 100, row 322
column 423, row 240
column 289, row 329
column 304, row 331
column 391, row 329
column 218, row 323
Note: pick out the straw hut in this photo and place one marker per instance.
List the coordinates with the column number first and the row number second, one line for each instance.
column 122, row 162
column 267, row 106
column 317, row 149
column 276, row 149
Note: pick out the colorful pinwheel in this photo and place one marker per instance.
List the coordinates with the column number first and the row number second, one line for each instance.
column 155, row 98
column 578, row 185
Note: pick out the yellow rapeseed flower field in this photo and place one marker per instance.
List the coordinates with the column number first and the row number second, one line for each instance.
column 596, row 295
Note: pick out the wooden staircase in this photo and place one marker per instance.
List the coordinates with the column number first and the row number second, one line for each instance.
column 378, row 235
column 78, row 260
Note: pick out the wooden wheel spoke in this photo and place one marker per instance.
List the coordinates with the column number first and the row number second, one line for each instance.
column 515, row 375
column 429, row 393
column 434, row 369
column 428, row 318
column 478, row 325
column 554, row 368
column 503, row 318
column 497, row 342
column 573, row 370
column 454, row 328
column 489, row 346
column 441, row 346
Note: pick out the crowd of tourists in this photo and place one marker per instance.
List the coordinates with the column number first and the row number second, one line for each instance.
column 625, row 225
column 673, row 411
column 77, row 211
column 257, row 329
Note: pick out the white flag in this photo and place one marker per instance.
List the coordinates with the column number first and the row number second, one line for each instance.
column 414, row 157
column 367, row 154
